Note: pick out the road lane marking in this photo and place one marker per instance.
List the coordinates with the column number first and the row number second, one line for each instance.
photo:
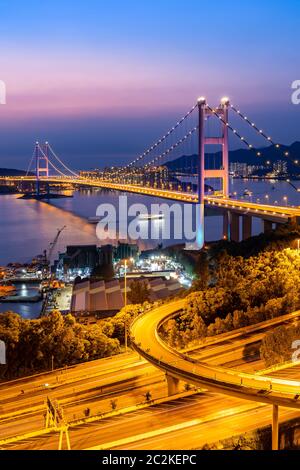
column 176, row 427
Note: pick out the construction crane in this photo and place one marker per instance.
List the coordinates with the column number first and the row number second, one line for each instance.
column 47, row 257
column 53, row 244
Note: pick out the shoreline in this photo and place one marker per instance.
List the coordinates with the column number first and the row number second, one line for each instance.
column 267, row 178
column 21, row 299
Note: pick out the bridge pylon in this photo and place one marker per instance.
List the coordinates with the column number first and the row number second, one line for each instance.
column 42, row 163
column 203, row 173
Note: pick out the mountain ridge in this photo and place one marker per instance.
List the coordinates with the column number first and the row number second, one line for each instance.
column 272, row 154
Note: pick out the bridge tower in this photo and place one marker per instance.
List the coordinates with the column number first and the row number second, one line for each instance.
column 42, row 163
column 222, row 112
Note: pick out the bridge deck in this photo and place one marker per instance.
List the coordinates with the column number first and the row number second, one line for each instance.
column 264, row 211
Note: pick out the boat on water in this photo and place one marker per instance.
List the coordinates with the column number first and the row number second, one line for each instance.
column 94, row 220
column 247, row 192
column 151, row 217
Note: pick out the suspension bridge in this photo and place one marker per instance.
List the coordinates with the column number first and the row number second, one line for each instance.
column 152, row 173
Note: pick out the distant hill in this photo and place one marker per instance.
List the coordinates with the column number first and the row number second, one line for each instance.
column 189, row 163
column 12, row 172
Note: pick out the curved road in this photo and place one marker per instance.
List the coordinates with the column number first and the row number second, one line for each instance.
column 147, row 342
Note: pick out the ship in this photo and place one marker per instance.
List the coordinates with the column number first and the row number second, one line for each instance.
column 94, row 220
column 151, row 217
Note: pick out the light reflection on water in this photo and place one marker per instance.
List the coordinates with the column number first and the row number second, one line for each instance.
column 28, row 226
column 25, row 309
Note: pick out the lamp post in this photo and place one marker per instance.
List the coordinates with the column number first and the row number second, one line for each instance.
column 125, row 302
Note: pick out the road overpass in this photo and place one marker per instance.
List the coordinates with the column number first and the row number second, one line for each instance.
column 126, row 378
column 178, row 366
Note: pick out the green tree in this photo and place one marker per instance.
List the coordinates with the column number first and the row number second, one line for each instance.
column 139, row 292
column 277, row 345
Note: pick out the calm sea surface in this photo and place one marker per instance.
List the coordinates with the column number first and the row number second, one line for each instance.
column 27, row 226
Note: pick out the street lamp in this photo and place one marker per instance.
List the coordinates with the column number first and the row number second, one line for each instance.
column 125, row 302
column 125, row 281
column 285, row 200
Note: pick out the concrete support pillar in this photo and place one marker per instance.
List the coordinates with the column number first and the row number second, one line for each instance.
column 226, row 234
column 267, row 225
column 235, row 227
column 247, row 226
column 37, row 187
column 275, row 427
column 173, row 385
column 293, row 221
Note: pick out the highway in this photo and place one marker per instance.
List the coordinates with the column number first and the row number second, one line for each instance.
column 79, row 389
column 178, row 366
column 185, row 423
column 88, row 382
column 239, row 347
column 194, row 432
column 155, row 418
column 15, row 391
column 91, row 385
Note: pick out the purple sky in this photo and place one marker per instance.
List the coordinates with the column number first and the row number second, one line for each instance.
column 101, row 80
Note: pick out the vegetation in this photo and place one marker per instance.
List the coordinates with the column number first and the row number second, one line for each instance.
column 240, row 292
column 280, row 345
column 114, row 404
column 115, row 327
column 285, row 236
column 30, row 344
column 139, row 292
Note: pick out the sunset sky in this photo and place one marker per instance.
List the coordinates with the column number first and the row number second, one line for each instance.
column 102, row 80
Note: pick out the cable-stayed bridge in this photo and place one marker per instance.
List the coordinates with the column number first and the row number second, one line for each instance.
column 177, row 167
